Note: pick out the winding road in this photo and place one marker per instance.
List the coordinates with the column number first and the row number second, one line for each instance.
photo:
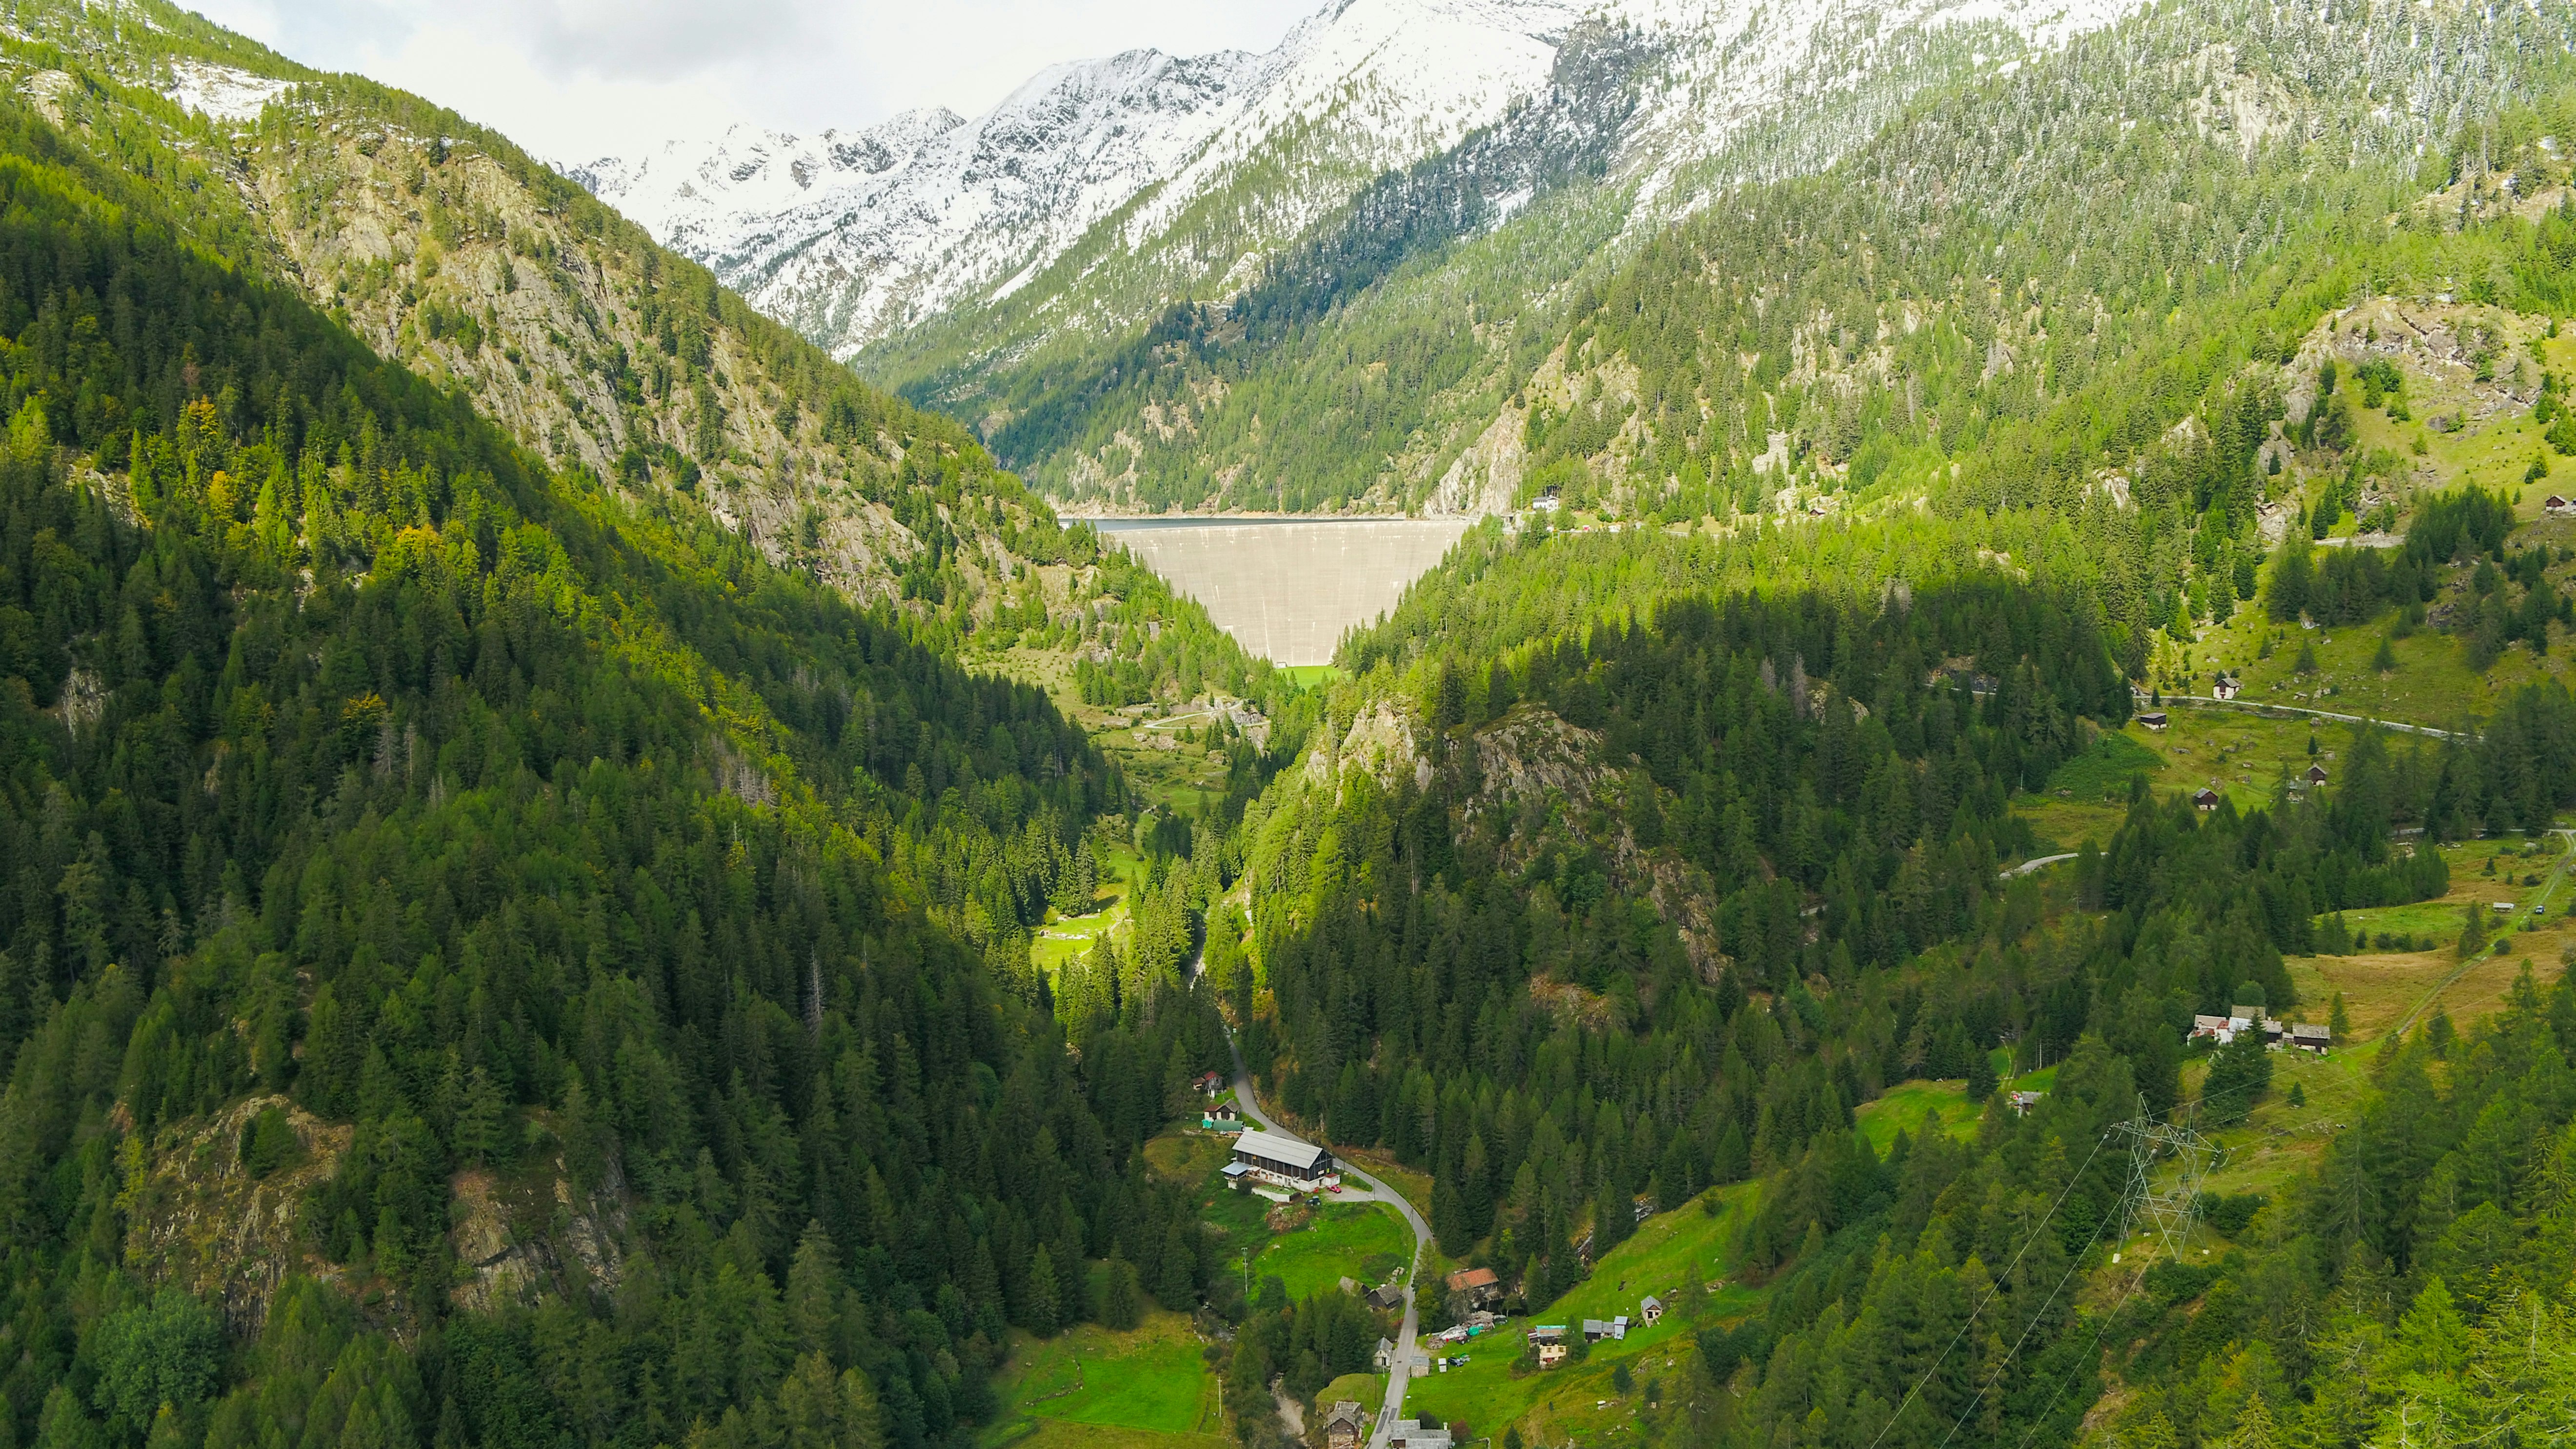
column 1372, row 1191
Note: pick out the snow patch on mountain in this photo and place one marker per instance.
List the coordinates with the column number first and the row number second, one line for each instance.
column 221, row 92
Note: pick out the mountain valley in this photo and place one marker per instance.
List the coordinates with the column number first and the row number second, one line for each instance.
column 674, row 805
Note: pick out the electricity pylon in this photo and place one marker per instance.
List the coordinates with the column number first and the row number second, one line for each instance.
column 2165, row 1212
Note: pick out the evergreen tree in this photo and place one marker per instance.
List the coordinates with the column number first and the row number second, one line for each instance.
column 1982, row 1080
column 1122, row 1300
column 1040, row 1313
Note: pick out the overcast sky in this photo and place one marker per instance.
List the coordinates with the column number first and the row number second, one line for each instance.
column 573, row 80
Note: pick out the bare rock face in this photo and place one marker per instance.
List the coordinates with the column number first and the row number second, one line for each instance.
column 521, row 1238
column 202, row 1221
column 576, row 342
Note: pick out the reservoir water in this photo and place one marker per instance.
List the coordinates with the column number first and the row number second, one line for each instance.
column 1287, row 589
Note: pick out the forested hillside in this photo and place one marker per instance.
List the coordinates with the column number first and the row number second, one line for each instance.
column 595, row 957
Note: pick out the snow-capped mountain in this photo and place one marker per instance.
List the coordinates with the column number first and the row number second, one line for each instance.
column 1207, row 164
column 849, row 236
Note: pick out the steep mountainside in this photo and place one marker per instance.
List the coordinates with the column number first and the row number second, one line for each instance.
column 1455, row 123
column 1195, row 163
column 453, row 253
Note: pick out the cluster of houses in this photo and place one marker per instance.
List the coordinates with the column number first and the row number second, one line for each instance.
column 1219, row 1115
column 2303, row 1035
column 1551, row 1342
column 2208, row 797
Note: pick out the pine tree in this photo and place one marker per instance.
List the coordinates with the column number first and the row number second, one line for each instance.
column 1122, row 1301
column 813, row 1291
column 1981, row 1074
column 1177, row 1284
column 478, row 1118
column 1040, row 1314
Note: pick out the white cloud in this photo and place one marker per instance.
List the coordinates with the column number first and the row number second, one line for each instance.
column 576, row 79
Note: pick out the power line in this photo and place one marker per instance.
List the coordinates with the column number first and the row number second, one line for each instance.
column 1992, row 1289
column 2169, row 1212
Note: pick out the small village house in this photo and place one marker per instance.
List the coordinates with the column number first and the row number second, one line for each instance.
column 1652, row 1309
column 1345, row 1425
column 1222, row 1118
column 2225, row 688
column 1549, row 1339
column 1478, row 1286
column 1423, row 1433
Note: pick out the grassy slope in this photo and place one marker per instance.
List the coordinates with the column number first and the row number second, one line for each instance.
column 1146, row 1386
column 1576, row 1399
column 1361, row 1241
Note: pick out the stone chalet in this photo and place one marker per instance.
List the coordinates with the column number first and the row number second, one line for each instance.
column 2557, row 507
column 2206, row 800
column 1283, row 1160
column 1345, row 1425
column 2225, row 688
column 1549, row 1339
column 1651, row 1309
column 2154, row 720
column 2310, row 1037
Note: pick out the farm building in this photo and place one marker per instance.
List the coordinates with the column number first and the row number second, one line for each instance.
column 1652, row 1309
column 1283, row 1159
column 2206, row 800
column 2225, row 688
column 2308, row 1036
column 2154, row 719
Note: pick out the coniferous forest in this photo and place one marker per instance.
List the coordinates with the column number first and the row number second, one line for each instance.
column 575, row 875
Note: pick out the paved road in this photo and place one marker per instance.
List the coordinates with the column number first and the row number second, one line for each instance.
column 1372, row 1190
column 2253, row 706
column 2027, row 866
